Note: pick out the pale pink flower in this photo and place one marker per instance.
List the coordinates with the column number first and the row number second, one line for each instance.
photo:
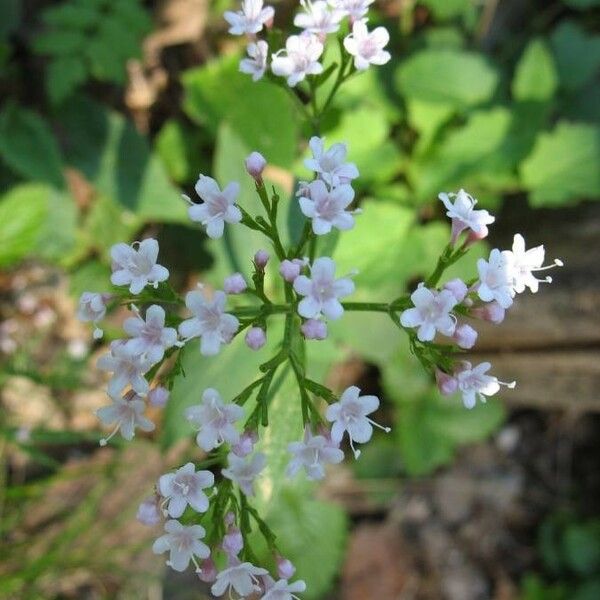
column 250, row 19
column 183, row 543
column 299, row 59
column 367, row 47
column 184, row 487
column 136, row 266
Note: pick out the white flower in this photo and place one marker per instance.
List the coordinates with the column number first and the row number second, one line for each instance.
column 250, row 19
column 473, row 383
column 327, row 208
column 350, row 414
column 431, row 313
column 524, row 263
column 317, row 18
column 464, row 216
column 92, row 307
column 355, row 9
column 214, row 420
column 322, row 291
column 256, row 63
column 150, row 337
column 367, row 48
column 218, row 206
column 496, row 278
column 183, row 543
column 127, row 413
column 244, row 471
column 312, row 454
column 137, row 267
column 282, row 590
column 242, row 578
column 127, row 368
column 329, row 164
column 299, row 59
column 185, row 487
column 211, row 322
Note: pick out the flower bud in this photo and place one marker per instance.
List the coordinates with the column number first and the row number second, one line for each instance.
column 255, row 165
column 229, row 518
column 158, row 396
column 290, row 270
column 314, row 329
column 261, row 258
column 208, row 571
column 148, row 512
column 303, row 190
column 256, row 338
column 458, row 288
column 491, row 312
column 234, row 284
column 446, row 383
column 233, row 542
column 465, row 336
column 246, row 444
column 285, row 569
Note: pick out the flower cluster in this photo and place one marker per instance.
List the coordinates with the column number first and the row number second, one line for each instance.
column 301, row 56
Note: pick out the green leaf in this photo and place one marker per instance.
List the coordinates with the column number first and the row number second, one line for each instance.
column 444, row 37
column 65, row 74
column 11, row 17
column 58, row 234
column 581, row 544
column 70, row 15
column 563, row 166
column 261, row 114
column 447, row 9
column 28, row 146
column 535, row 76
column 60, row 43
column 427, row 118
column 22, row 214
column 106, row 64
column 577, row 54
column 445, row 76
column 582, row 4
column 92, row 276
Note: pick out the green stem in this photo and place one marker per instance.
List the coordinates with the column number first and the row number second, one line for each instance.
column 366, row 306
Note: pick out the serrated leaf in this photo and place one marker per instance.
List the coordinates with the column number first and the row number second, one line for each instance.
column 535, row 76
column 28, row 146
column 77, row 16
column 65, row 74
column 445, row 76
column 22, row 214
column 60, row 43
column 563, row 166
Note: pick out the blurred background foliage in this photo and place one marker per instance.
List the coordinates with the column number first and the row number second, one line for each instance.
column 109, row 112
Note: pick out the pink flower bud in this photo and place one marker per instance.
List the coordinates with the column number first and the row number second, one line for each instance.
column 446, row 383
column 246, row 444
column 233, row 542
column 465, row 336
column 255, row 165
column 261, row 258
column 208, row 571
column 158, row 396
column 256, row 338
column 473, row 237
column 229, row 518
column 148, row 512
column 235, row 284
column 303, row 190
column 313, row 329
column 491, row 312
column 290, row 270
column 285, row 569
column 458, row 288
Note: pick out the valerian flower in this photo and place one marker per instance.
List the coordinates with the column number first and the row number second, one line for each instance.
column 218, row 207
column 92, row 307
column 148, row 512
column 461, row 209
column 330, row 165
column 136, row 266
column 350, row 415
column 318, row 18
column 322, row 291
column 299, row 59
column 282, row 590
column 185, row 487
column 473, row 383
column 210, row 321
column 312, row 454
column 496, row 279
column 240, row 577
column 127, row 369
column 183, row 543
column 127, row 413
column 525, row 263
column 431, row 313
column 367, row 47
column 150, row 337
column 244, row 471
column 251, row 19
column 256, row 62
column 355, row 9
column 214, row 420
column 326, row 208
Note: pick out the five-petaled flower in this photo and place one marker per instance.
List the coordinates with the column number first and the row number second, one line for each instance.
column 240, row 577
column 318, row 18
column 299, row 58
column 326, row 208
column 127, row 413
column 496, row 279
column 218, row 207
column 92, row 307
column 473, row 383
column 282, row 590
column 329, row 164
column 183, row 543
column 127, row 369
column 256, row 62
column 185, row 487
column 354, row 9
column 214, row 420
column 313, row 453
column 210, row 321
column 367, row 47
column 460, row 207
column 244, row 470
column 250, row 19
column 135, row 265
column 322, row 291
column 150, row 337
